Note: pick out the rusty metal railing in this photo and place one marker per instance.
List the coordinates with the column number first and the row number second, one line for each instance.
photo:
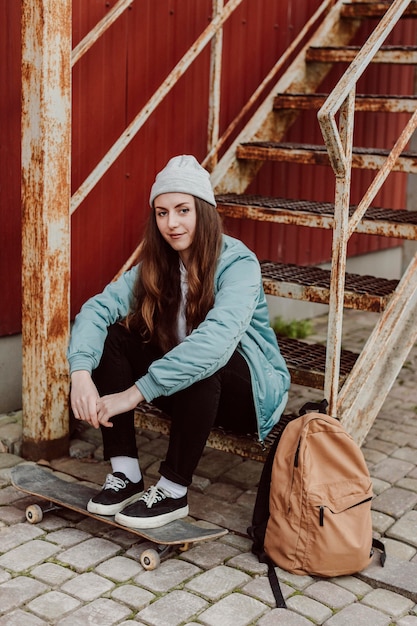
column 213, row 32
column 339, row 142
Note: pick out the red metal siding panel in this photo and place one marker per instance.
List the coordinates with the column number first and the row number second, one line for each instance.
column 111, row 84
column 10, row 215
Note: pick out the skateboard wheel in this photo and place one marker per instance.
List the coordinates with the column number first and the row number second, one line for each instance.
column 149, row 559
column 34, row 514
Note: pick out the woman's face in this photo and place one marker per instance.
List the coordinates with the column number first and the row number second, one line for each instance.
column 176, row 217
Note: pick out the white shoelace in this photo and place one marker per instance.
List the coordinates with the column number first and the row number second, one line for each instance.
column 153, row 495
column 114, row 482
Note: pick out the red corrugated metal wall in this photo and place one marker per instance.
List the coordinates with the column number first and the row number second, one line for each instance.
column 114, row 80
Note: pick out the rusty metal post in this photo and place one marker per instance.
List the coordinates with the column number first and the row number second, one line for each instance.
column 214, row 91
column 46, row 147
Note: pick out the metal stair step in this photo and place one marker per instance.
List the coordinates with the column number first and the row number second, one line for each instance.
column 403, row 55
column 309, row 154
column 362, row 292
column 307, row 101
column 148, row 417
column 373, row 9
column 376, row 221
column 306, row 362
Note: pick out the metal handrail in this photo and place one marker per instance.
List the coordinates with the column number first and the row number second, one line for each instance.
column 339, row 147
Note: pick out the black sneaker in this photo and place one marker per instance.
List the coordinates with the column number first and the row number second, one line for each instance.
column 118, row 491
column 155, row 508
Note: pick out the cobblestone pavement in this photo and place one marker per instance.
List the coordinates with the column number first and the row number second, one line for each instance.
column 71, row 570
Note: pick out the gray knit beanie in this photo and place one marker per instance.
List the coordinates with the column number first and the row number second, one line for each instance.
column 183, row 174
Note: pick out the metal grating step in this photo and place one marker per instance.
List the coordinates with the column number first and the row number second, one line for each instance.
column 306, row 362
column 312, row 284
column 373, row 9
column 373, row 103
column 376, row 221
column 148, row 417
column 310, row 154
column 400, row 55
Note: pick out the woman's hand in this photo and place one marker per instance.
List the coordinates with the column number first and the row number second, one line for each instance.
column 116, row 403
column 84, row 396
column 88, row 406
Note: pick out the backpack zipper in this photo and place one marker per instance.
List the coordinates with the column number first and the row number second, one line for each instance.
column 321, row 509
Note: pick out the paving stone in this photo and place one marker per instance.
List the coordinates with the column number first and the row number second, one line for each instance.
column 330, row 594
column 296, row 581
column 309, row 608
column 282, row 616
column 53, row 605
column 397, row 576
column 408, row 483
column 200, row 483
column 378, row 485
column 172, row 609
column 11, row 515
column 52, row 574
column 21, row 618
column 67, row 537
column 88, row 586
column 224, row 491
column 398, row 549
column 373, row 456
column 408, row 620
column 233, row 610
column 405, row 529
column 169, row 574
column 358, row 615
column 247, row 499
column 387, row 447
column 217, row 582
column 119, row 568
column 249, row 563
column 133, row 596
column 18, row 591
column 8, row 495
column 395, row 502
column 216, row 463
column 88, row 553
column 246, row 475
column 13, row 536
column 101, row 612
column 4, row 576
column 260, row 589
column 391, row 469
column 229, row 515
column 381, row 522
column 352, row 584
column 81, row 449
column 21, row 558
column 389, row 602
column 241, row 543
column 207, row 555
column 406, row 454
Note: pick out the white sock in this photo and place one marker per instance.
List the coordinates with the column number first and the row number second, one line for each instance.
column 174, row 489
column 128, row 465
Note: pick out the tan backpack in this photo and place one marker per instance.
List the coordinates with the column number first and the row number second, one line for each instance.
column 320, row 497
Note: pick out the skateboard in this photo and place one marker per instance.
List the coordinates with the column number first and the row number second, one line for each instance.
column 59, row 493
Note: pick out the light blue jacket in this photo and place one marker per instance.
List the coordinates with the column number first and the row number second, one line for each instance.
column 238, row 320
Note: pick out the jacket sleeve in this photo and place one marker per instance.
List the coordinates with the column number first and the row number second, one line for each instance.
column 209, row 346
column 90, row 326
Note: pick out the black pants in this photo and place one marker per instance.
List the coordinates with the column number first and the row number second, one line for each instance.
column 225, row 399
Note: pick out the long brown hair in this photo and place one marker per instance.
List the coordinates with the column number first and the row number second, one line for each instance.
column 157, row 292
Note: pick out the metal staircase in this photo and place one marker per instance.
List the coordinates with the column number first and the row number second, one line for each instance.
column 355, row 385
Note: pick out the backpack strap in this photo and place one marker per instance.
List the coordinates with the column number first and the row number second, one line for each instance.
column 319, row 407
column 378, row 545
column 275, row 586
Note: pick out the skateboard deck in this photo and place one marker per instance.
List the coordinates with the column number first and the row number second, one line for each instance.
column 43, row 484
